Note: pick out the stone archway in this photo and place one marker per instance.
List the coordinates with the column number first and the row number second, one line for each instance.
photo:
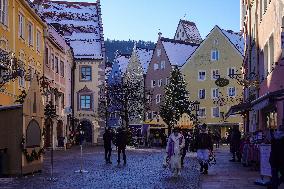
column 87, row 127
column 60, row 135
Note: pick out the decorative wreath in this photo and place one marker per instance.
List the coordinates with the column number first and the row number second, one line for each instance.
column 34, row 155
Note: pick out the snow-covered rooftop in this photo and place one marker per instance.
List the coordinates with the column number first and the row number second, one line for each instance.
column 79, row 23
column 58, row 38
column 191, row 31
column 236, row 39
column 144, row 56
column 123, row 61
column 178, row 51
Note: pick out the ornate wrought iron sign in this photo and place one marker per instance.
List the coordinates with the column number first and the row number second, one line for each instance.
column 222, row 82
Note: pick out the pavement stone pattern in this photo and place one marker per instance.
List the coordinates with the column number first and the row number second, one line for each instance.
column 143, row 170
column 231, row 175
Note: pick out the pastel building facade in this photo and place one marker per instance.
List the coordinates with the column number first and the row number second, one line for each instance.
column 219, row 55
column 21, row 33
column 262, row 24
column 80, row 23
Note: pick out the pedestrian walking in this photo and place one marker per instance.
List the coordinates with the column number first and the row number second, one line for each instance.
column 107, row 137
column 276, row 159
column 204, row 147
column 175, row 144
column 186, row 146
column 121, row 142
column 236, row 142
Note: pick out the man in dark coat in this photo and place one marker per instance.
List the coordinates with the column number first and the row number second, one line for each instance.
column 276, row 159
column 204, row 147
column 107, row 136
column 121, row 142
column 236, row 142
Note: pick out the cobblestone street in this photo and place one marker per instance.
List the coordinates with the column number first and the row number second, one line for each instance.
column 143, row 170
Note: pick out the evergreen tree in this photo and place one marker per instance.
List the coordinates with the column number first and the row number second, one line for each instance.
column 176, row 100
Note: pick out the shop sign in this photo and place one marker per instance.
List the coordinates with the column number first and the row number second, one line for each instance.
column 265, row 168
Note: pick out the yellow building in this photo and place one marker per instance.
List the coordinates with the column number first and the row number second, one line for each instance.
column 21, row 33
column 219, row 55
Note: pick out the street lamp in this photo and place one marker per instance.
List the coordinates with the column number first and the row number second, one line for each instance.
column 81, row 138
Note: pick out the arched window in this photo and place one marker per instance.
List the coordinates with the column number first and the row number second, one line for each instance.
column 33, row 135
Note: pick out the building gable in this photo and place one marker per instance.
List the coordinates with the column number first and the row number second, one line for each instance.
column 188, row 31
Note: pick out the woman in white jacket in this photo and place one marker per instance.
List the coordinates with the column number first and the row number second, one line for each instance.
column 174, row 148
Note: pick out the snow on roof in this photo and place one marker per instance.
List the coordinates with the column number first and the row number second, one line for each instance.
column 123, row 61
column 178, row 51
column 144, row 56
column 79, row 23
column 236, row 39
column 192, row 31
column 58, row 38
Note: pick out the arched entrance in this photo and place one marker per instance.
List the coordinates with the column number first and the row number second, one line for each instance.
column 59, row 131
column 47, row 133
column 87, row 127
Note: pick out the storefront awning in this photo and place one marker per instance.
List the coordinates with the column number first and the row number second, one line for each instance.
column 238, row 109
column 266, row 100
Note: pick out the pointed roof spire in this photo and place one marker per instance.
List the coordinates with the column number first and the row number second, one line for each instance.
column 160, row 34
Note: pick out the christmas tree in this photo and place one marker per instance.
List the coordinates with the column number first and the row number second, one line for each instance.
column 176, row 99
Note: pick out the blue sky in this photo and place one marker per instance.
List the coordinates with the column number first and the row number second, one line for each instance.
column 142, row 19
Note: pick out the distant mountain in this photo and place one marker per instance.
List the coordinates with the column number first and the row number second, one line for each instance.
column 124, row 47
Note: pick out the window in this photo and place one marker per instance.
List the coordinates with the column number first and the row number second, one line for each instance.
column 21, row 25
column 38, row 41
column 201, row 75
column 4, row 12
column 159, row 51
column 86, row 73
column 56, row 65
column 231, row 91
column 160, row 82
column 52, row 61
column 156, row 66
column 158, row 98
column 85, row 102
column 201, row 94
column 215, row 74
column 46, row 57
column 163, row 64
column 62, row 68
column 215, row 55
column 149, row 116
column 30, row 34
column 215, row 93
column 231, row 71
column 167, row 81
column 153, row 83
column 149, row 98
column 21, row 81
column 215, row 112
column 215, row 42
column 202, row 112
column 182, row 34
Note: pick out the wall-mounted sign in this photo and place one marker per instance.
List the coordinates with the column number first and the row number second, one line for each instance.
column 222, row 82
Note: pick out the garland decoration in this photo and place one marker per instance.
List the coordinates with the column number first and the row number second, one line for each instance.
column 34, row 155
